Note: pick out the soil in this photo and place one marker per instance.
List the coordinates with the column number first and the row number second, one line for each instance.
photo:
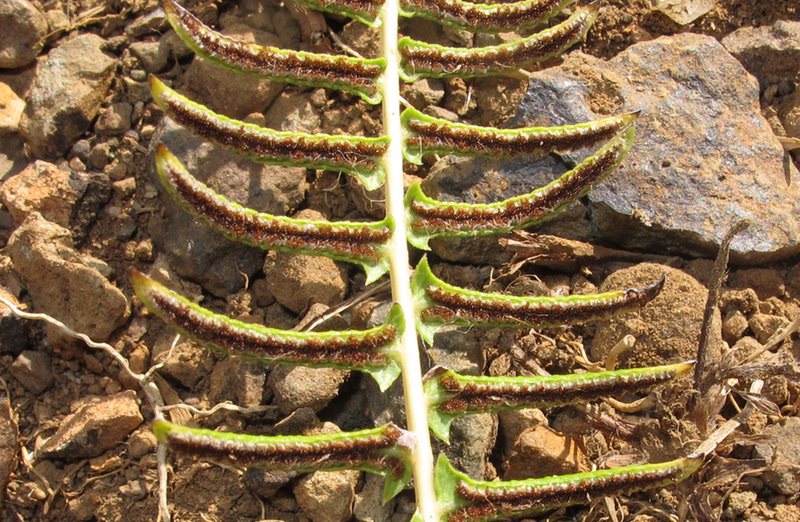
column 120, row 483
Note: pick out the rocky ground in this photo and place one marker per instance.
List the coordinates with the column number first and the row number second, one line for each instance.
column 80, row 205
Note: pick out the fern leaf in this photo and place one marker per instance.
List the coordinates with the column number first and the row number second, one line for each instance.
column 428, row 135
column 430, row 218
column 360, row 243
column 385, row 450
column 351, row 154
column 373, row 351
column 439, row 303
column 425, row 60
column 451, row 395
column 354, row 75
column 466, row 500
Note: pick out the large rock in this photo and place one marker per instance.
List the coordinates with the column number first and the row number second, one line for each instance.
column 66, row 95
column 22, row 37
column 771, row 53
column 63, row 283
column 704, row 156
column 66, row 198
column 196, row 251
column 667, row 329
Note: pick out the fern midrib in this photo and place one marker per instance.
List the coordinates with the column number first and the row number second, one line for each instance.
column 399, row 270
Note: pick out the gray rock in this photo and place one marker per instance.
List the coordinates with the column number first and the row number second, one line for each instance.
column 67, row 198
column 239, row 381
column 152, row 55
column 32, row 370
column 303, row 387
column 472, row 439
column 66, row 95
column 63, row 283
column 328, row 496
column 114, row 120
column 154, row 21
column 24, row 29
column 196, row 251
column 95, row 427
column 667, row 329
column 229, row 92
column 782, row 447
column 770, row 53
column 704, row 156
column 369, row 505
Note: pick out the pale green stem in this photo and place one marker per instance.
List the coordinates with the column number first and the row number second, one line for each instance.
column 415, row 402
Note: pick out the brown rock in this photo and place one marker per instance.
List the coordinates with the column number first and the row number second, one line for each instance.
column 514, row 422
column 187, row 363
column 66, row 95
column 667, row 329
column 11, row 107
column 765, row 325
column 770, row 53
column 540, row 452
column 64, row 284
column 58, row 195
column 297, row 281
column 22, row 37
column 303, row 387
column 328, row 496
column 733, row 327
column 94, row 428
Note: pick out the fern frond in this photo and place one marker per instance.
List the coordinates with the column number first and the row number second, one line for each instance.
column 351, row 154
column 429, row 135
column 425, row 60
column 451, row 395
column 385, row 450
column 466, row 500
column 373, row 351
column 354, row 75
column 439, row 304
column 485, row 17
column 360, row 243
column 429, row 218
